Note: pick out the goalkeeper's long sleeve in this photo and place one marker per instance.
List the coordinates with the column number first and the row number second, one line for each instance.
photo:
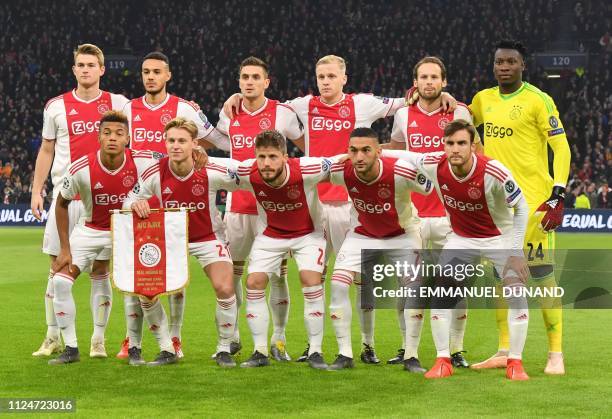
column 561, row 161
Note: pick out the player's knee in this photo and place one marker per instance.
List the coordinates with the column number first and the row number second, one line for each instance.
column 257, row 281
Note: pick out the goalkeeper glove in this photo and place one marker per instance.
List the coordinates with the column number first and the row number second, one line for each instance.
column 553, row 209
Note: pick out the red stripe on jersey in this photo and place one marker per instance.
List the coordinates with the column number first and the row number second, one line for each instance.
column 494, row 174
column 402, row 171
column 146, row 154
column 405, row 170
column 188, row 103
column 150, row 172
column 75, row 168
column 499, row 171
column 405, row 176
column 53, row 99
column 311, row 172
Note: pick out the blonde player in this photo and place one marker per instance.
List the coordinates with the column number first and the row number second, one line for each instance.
column 70, row 131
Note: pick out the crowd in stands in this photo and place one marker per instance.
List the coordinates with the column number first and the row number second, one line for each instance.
column 381, row 41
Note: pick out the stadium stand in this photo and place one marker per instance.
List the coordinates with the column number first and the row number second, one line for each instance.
column 380, row 40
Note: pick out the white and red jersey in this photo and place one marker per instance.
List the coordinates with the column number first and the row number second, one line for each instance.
column 480, row 204
column 327, row 127
column 100, row 189
column 147, row 122
column 381, row 208
column 74, row 123
column 423, row 132
column 196, row 191
column 242, row 131
column 292, row 209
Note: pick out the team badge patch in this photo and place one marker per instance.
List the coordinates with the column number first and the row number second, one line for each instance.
column 103, row 108
column 384, row 193
column 474, row 193
column 442, row 123
column 293, row 193
column 128, row 181
column 66, row 183
column 265, row 123
column 149, row 254
column 136, row 188
column 510, row 186
column 344, row 111
column 421, row 179
column 515, row 113
column 553, row 122
column 198, row 190
column 165, row 118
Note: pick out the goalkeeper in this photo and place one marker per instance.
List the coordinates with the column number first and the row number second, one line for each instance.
column 520, row 121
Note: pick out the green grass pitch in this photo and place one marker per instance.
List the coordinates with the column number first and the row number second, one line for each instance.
column 197, row 387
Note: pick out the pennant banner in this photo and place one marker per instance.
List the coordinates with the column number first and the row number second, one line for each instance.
column 150, row 256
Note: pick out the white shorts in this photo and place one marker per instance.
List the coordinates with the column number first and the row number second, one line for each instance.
column 51, row 243
column 268, row 252
column 241, row 230
column 210, row 251
column 400, row 248
column 471, row 250
column 88, row 244
column 336, row 223
column 434, row 232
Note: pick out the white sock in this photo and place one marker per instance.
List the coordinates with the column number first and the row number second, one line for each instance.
column 133, row 320
column 258, row 318
column 155, row 316
column 402, row 326
column 413, row 319
column 101, row 303
column 176, row 304
column 279, row 304
column 65, row 309
column 238, row 271
column 341, row 312
column 457, row 326
column 518, row 323
column 53, row 331
column 225, row 316
column 366, row 318
column 440, row 329
column 314, row 317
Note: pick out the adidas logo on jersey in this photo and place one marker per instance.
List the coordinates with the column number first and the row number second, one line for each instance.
column 262, row 193
column 315, row 111
column 444, row 187
column 354, row 190
column 167, row 190
column 236, row 124
column 413, row 124
column 137, row 118
column 73, row 112
column 98, row 186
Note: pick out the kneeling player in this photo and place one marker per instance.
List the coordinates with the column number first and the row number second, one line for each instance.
column 289, row 220
column 487, row 213
column 102, row 179
column 176, row 183
column 381, row 218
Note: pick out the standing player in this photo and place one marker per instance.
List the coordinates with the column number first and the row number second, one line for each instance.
column 70, row 131
column 329, row 119
column 102, row 179
column 381, row 218
column 420, row 128
column 177, row 184
column 289, row 220
column 487, row 212
column 148, row 115
column 520, row 122
column 257, row 113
